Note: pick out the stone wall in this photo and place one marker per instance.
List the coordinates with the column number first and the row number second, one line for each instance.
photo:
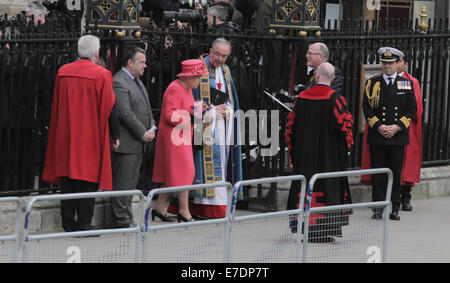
column 12, row 7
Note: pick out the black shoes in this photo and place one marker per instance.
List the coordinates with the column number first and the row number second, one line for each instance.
column 394, row 215
column 164, row 218
column 126, row 225
column 377, row 215
column 326, row 239
column 406, row 206
column 181, row 218
column 161, row 217
column 200, row 218
column 87, row 228
column 76, row 228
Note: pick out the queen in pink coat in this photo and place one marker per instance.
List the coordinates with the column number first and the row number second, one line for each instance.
column 174, row 164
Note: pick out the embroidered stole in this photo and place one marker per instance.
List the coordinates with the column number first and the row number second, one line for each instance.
column 211, row 167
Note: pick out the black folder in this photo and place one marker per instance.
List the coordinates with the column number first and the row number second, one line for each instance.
column 217, row 97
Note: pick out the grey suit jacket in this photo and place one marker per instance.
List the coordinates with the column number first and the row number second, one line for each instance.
column 134, row 111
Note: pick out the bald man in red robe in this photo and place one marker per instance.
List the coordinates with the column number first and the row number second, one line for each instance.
column 78, row 152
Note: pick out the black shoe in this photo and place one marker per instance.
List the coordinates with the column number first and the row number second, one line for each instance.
column 181, row 218
column 86, row 228
column 126, row 225
column 377, row 215
column 406, row 206
column 326, row 239
column 293, row 224
column 161, row 217
column 200, row 218
column 394, row 215
column 69, row 229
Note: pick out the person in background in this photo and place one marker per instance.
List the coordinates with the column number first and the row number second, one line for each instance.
column 233, row 14
column 78, row 152
column 225, row 151
column 174, row 164
column 136, row 122
column 319, row 136
column 389, row 107
column 316, row 55
column 37, row 10
column 216, row 20
column 413, row 151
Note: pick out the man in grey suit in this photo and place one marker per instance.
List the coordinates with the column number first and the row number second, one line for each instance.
column 136, row 129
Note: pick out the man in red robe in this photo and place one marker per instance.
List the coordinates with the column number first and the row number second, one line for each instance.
column 319, row 136
column 78, row 152
column 413, row 151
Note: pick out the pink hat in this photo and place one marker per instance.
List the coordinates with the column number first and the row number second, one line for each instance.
column 192, row 67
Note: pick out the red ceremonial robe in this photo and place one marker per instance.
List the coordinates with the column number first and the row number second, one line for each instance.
column 78, row 145
column 319, row 135
column 413, row 151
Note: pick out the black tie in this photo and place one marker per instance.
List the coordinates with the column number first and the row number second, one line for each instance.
column 142, row 91
column 390, row 81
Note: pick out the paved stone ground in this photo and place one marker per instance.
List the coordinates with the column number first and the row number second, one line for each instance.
column 421, row 236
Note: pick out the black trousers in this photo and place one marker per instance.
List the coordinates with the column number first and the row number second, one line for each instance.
column 387, row 157
column 82, row 208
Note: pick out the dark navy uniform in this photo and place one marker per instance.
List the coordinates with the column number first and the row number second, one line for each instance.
column 388, row 104
column 394, row 104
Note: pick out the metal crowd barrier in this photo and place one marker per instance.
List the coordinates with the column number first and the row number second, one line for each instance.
column 8, row 252
column 266, row 237
column 365, row 239
column 83, row 246
column 199, row 241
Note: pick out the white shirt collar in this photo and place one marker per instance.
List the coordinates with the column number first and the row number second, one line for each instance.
column 220, row 80
column 386, row 77
column 126, row 71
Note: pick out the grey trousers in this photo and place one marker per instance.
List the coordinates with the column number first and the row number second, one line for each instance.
column 125, row 170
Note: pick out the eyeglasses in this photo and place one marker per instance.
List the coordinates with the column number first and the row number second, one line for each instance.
column 218, row 54
column 312, row 53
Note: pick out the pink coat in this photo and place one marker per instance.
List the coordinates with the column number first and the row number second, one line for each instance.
column 174, row 163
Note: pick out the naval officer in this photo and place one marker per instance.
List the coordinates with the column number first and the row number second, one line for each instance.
column 389, row 106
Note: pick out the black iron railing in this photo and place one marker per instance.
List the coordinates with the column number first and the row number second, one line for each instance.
column 30, row 57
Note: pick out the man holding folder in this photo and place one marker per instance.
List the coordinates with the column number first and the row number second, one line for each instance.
column 219, row 159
